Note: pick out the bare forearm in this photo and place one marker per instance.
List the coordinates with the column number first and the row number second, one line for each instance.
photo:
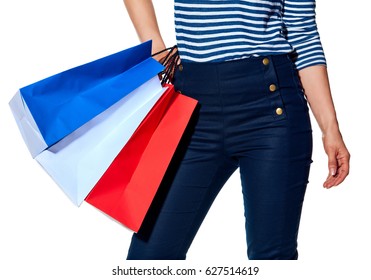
column 317, row 90
column 143, row 16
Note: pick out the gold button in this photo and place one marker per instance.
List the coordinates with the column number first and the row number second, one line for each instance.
column 272, row 87
column 266, row 61
column 279, row 111
column 180, row 67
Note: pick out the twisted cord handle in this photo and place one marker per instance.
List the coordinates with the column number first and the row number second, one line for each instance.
column 170, row 61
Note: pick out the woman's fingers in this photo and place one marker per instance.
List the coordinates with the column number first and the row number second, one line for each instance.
column 340, row 164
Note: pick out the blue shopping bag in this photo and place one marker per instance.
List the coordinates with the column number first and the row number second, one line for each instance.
column 50, row 109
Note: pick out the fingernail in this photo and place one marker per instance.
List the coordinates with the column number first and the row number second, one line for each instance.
column 333, row 171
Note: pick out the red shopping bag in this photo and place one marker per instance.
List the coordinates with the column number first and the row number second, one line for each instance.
column 127, row 188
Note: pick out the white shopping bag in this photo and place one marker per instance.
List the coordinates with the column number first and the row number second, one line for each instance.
column 78, row 161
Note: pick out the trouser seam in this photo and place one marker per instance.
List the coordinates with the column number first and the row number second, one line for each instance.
column 223, row 134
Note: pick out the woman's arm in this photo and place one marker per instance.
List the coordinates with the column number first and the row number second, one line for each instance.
column 300, row 29
column 317, row 90
column 300, row 22
column 144, row 19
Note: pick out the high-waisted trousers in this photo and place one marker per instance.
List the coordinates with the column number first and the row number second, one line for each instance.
column 252, row 115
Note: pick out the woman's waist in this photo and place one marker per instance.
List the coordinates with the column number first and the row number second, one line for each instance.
column 253, row 66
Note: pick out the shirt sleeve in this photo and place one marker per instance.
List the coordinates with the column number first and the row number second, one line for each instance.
column 299, row 20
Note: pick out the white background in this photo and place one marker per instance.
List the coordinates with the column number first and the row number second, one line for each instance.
column 43, row 234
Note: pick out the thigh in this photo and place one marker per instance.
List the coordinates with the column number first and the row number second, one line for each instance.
column 191, row 193
column 274, row 175
column 274, row 179
column 273, row 194
column 192, row 185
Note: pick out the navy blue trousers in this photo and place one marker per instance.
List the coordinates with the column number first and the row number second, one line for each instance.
column 253, row 116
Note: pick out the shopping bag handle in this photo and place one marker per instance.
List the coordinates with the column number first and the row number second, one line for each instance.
column 170, row 61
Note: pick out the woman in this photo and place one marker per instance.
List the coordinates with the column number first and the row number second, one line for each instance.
column 252, row 65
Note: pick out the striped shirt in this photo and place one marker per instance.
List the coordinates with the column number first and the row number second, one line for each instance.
column 218, row 30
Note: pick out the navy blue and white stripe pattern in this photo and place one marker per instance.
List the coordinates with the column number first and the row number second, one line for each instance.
column 218, row 30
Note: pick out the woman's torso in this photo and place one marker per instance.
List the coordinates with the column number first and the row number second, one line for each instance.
column 220, row 30
column 217, row 30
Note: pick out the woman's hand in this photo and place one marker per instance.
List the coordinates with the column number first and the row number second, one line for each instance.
column 161, row 56
column 338, row 158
